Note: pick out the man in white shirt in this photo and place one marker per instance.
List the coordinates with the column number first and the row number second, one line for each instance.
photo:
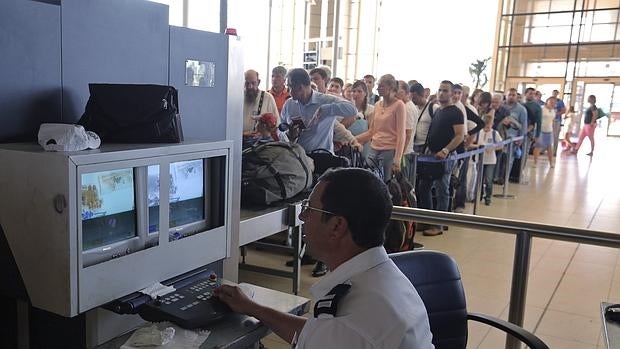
column 423, row 122
column 457, row 92
column 256, row 102
column 412, row 115
column 365, row 302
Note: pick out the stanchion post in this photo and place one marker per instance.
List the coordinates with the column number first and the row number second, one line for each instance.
column 509, row 156
column 508, row 161
column 414, row 168
column 480, row 169
column 518, row 289
column 296, row 233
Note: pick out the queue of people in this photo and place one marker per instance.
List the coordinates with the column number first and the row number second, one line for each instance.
column 403, row 118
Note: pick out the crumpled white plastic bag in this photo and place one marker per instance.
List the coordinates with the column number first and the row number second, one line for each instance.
column 165, row 335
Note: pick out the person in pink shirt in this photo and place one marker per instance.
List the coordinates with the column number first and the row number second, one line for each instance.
column 387, row 129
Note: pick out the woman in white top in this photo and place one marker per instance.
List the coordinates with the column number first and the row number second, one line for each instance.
column 545, row 141
column 359, row 95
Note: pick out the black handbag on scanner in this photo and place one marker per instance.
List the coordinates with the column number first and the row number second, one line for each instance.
column 126, row 113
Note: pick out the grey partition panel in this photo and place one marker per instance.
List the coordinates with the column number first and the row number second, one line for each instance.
column 113, row 41
column 30, row 85
column 203, row 109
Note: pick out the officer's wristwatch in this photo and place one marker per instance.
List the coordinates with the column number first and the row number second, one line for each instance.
column 445, row 151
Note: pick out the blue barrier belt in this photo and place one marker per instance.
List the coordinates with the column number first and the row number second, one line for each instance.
column 454, row 156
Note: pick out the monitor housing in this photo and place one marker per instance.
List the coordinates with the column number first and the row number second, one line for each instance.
column 95, row 218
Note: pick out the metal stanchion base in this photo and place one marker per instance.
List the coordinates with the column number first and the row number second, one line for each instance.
column 502, row 196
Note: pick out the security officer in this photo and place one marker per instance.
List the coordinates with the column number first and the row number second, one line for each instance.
column 365, row 302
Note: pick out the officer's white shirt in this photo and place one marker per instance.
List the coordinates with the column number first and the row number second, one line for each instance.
column 381, row 310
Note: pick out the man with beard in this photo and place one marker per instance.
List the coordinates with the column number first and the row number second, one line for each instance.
column 256, row 102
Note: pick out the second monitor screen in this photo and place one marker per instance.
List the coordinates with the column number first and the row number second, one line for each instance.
column 186, row 197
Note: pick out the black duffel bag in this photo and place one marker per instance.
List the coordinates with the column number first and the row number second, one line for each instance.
column 431, row 170
column 127, row 113
column 325, row 159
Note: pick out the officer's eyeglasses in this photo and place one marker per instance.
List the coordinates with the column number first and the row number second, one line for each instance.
column 305, row 205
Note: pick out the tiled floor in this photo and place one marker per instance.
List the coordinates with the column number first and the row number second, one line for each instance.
column 567, row 281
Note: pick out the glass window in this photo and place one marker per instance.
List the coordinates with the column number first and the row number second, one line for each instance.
column 542, row 28
column 602, row 32
column 507, row 6
column 540, row 69
column 597, row 4
column 549, row 35
column 538, row 61
column 606, row 16
column 542, row 5
column 500, row 68
column 564, row 5
column 523, row 6
column 594, row 60
column 600, row 68
column 504, row 30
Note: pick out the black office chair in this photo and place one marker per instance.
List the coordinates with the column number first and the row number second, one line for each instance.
column 437, row 279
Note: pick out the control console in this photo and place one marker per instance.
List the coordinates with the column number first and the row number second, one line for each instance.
column 192, row 305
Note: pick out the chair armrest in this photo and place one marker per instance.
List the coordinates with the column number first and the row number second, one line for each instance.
column 523, row 335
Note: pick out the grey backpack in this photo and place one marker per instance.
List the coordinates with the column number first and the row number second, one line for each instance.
column 274, row 171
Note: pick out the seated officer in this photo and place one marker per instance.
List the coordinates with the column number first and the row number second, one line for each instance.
column 365, row 302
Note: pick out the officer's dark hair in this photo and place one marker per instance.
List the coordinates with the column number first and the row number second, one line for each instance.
column 362, row 199
column 530, row 89
column 297, row 77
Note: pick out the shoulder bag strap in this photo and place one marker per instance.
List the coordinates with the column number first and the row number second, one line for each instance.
column 430, row 108
column 260, row 102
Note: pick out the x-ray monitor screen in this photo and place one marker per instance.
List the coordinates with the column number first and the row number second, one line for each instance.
column 186, row 192
column 108, row 207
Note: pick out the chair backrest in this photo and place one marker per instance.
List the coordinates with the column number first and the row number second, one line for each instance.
column 436, row 277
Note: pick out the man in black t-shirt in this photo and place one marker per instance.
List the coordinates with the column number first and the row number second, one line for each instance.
column 445, row 134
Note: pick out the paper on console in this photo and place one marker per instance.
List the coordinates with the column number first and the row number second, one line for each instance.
column 157, row 290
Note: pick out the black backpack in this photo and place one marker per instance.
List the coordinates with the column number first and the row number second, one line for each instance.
column 324, row 160
column 274, row 171
column 399, row 234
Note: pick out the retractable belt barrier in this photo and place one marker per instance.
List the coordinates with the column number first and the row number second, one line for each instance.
column 480, row 150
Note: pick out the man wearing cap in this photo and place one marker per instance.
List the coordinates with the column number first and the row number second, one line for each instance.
column 278, row 87
column 366, row 301
column 256, row 102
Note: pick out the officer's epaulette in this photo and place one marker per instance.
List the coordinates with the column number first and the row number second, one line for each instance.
column 328, row 305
